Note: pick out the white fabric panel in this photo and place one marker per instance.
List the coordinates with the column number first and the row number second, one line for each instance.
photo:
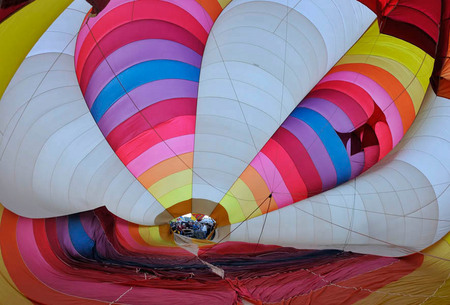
column 330, row 17
column 399, row 206
column 53, row 158
column 60, row 36
column 261, row 59
column 81, row 6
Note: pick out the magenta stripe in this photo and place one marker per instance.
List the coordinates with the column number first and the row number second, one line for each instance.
column 379, row 95
column 55, row 279
column 84, row 31
column 87, row 220
column 160, row 152
column 195, row 10
column 62, row 229
column 143, row 97
column 315, row 148
column 132, row 54
column 191, row 7
column 330, row 111
column 264, row 166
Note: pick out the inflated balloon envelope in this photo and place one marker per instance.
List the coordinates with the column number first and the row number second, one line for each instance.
column 155, row 109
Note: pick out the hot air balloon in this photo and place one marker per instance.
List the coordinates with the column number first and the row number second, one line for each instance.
column 305, row 129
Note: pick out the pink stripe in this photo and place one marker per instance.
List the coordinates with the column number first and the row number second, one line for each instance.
column 195, row 10
column 315, row 149
column 379, row 95
column 73, row 285
column 190, row 6
column 264, row 166
column 62, row 229
column 334, row 115
column 135, row 53
column 84, row 31
column 160, row 152
column 144, row 96
column 124, row 231
column 53, row 278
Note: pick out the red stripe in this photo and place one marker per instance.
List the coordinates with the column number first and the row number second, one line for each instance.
column 178, row 126
column 384, row 138
column 350, row 106
column 285, row 166
column 354, row 91
column 300, row 156
column 134, row 31
column 156, row 11
column 6, row 10
column 172, row 13
column 150, row 117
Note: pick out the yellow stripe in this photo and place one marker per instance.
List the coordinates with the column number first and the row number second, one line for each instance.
column 375, row 44
column 447, row 238
column 173, row 186
column 412, row 83
column 152, row 236
column 428, row 284
column 224, row 3
column 20, row 32
column 239, row 208
column 175, row 196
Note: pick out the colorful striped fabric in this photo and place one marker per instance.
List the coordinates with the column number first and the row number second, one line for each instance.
column 348, row 122
column 412, row 20
column 322, row 158
column 94, row 257
column 140, row 80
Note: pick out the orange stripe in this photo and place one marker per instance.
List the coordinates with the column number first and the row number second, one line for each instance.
column 444, row 88
column 166, row 168
column 390, row 84
column 259, row 189
column 134, row 233
column 212, row 7
column 220, row 215
column 25, row 281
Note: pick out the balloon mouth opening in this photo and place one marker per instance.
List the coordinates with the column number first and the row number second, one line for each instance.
column 193, row 225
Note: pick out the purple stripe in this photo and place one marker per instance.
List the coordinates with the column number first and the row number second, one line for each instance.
column 143, row 97
column 135, row 53
column 90, row 223
column 378, row 94
column 357, row 163
column 331, row 112
column 263, row 165
column 192, row 7
column 161, row 152
column 62, row 229
column 94, row 230
column 315, row 149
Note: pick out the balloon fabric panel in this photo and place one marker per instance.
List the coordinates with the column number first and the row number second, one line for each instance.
column 169, row 101
column 159, row 108
column 353, row 103
column 412, row 20
column 61, row 244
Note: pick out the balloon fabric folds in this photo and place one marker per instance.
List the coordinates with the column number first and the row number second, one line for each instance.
column 314, row 133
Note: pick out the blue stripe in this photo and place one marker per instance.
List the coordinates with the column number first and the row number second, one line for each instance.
column 138, row 75
column 330, row 140
column 80, row 240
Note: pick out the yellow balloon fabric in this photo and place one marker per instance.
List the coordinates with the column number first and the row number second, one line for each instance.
column 19, row 33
